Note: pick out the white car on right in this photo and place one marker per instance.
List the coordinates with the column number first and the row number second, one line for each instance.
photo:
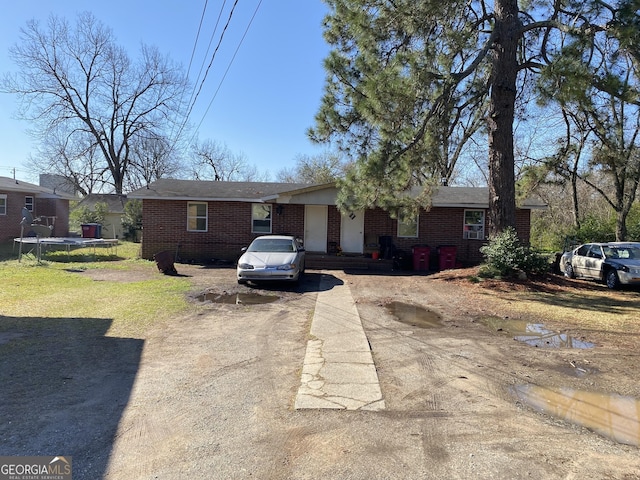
column 613, row 263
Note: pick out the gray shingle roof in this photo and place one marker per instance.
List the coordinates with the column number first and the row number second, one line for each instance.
column 115, row 203
column 210, row 190
column 169, row 189
column 11, row 185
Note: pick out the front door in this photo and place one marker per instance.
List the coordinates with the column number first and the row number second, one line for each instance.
column 352, row 232
column 315, row 228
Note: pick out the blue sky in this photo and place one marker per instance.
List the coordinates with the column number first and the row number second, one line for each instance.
column 264, row 105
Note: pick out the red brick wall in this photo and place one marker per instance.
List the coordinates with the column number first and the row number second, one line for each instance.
column 436, row 227
column 51, row 207
column 439, row 227
column 334, row 220
column 229, row 229
column 164, row 227
column 523, row 226
column 10, row 223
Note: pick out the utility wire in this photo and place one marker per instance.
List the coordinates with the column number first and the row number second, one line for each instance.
column 206, row 54
column 228, row 68
column 173, row 142
column 224, row 30
column 191, row 101
column 195, row 43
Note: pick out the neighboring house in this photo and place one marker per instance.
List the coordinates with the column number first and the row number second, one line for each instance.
column 203, row 220
column 47, row 207
column 57, row 183
column 112, row 224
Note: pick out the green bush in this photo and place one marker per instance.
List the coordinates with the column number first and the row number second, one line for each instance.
column 82, row 214
column 505, row 255
column 132, row 219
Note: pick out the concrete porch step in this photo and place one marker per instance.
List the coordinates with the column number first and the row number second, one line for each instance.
column 322, row 261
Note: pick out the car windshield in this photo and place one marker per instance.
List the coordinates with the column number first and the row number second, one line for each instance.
column 622, row 252
column 271, row 245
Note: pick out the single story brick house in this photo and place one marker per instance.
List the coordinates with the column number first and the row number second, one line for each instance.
column 47, row 207
column 204, row 220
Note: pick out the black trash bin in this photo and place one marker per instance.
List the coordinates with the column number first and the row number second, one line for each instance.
column 386, row 247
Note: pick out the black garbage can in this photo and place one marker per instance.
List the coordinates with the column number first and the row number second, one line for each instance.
column 386, row 247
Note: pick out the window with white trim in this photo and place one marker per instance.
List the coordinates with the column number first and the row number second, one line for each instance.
column 407, row 224
column 197, row 218
column 3, row 204
column 28, row 203
column 261, row 218
column 473, row 225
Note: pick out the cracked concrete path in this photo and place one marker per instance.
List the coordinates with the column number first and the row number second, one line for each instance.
column 338, row 370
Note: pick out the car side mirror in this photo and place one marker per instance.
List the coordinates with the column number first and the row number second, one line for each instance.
column 243, row 249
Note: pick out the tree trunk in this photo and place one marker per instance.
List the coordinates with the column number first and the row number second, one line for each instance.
column 502, row 202
column 621, row 226
column 574, row 198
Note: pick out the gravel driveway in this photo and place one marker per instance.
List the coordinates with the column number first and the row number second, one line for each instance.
column 210, row 395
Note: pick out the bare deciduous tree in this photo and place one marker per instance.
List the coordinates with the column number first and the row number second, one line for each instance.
column 213, row 161
column 151, row 159
column 76, row 83
column 323, row 168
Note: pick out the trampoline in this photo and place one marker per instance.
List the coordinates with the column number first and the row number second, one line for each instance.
column 67, row 242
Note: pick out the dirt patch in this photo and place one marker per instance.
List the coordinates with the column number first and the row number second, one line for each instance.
column 125, row 275
column 210, row 394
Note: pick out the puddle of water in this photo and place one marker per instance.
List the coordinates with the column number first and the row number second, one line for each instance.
column 578, row 370
column 613, row 416
column 237, row 298
column 535, row 334
column 414, row 315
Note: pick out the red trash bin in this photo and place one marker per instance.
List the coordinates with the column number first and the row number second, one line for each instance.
column 447, row 256
column 89, row 230
column 421, row 257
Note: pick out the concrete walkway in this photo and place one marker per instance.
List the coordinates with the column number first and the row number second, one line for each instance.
column 338, row 371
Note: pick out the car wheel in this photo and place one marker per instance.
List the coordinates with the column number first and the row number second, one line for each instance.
column 568, row 271
column 612, row 279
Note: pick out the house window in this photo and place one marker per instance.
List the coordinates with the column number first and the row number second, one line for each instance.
column 197, row 217
column 28, row 203
column 260, row 218
column 407, row 224
column 3, row 204
column 474, row 224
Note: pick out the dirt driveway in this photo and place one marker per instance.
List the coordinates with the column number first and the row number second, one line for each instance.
column 210, row 395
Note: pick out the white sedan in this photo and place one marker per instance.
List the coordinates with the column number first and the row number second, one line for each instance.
column 272, row 257
column 613, row 263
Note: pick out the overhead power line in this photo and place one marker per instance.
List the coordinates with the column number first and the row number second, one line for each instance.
column 228, row 67
column 206, row 54
column 200, row 82
column 195, row 43
column 224, row 30
column 174, row 140
column 194, row 98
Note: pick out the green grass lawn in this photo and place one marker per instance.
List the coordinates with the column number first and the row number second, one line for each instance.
column 52, row 287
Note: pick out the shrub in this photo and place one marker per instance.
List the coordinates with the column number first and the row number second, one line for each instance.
column 505, row 255
column 81, row 214
column 132, row 219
